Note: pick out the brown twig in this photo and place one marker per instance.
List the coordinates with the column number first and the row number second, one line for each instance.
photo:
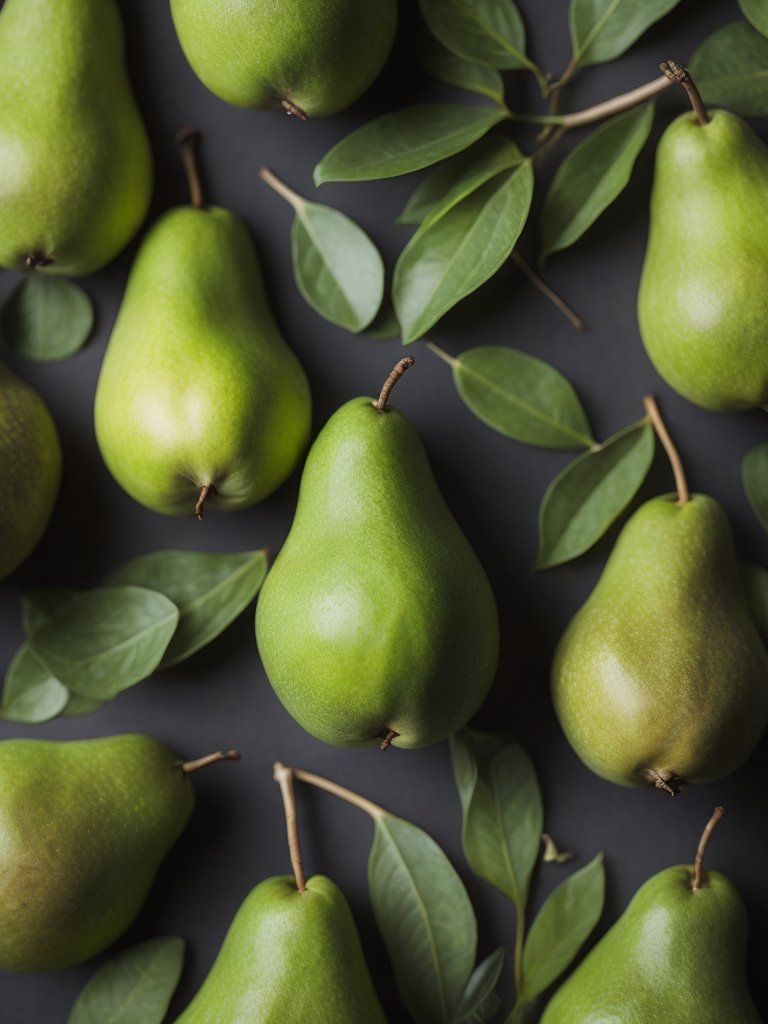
column 187, row 140
column 192, row 766
column 391, row 380
column 341, row 791
column 683, row 494
column 677, row 73
column 699, row 877
column 544, row 288
column 284, row 776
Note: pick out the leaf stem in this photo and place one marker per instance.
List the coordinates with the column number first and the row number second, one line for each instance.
column 683, row 494
column 600, row 110
column 342, row 792
column 442, row 354
column 192, row 766
column 677, row 73
column 386, row 391
column 281, row 188
column 187, row 140
column 284, row 776
column 699, row 876
column 544, row 288
column 519, row 944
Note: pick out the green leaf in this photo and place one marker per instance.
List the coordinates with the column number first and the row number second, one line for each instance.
column 449, row 259
column 756, row 11
column 106, row 639
column 46, row 318
column 502, row 810
column 30, row 693
column 754, row 475
column 454, row 70
column 405, row 141
column 134, row 987
column 755, row 579
column 210, row 589
column 425, row 918
column 480, row 1002
column 592, row 176
column 562, row 926
column 78, row 706
column 488, row 32
column 730, row 69
column 37, row 606
column 591, row 492
column 385, row 325
column 522, row 397
column 602, row 30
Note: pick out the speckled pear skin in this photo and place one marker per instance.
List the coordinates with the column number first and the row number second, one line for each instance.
column 662, row 669
column 289, row 957
column 84, row 827
column 75, row 163
column 703, row 300
column 198, row 385
column 320, row 55
column 377, row 614
column 30, row 464
column 675, row 956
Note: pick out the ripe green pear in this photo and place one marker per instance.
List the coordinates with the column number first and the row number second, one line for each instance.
column 30, row 464
column 661, row 677
column 75, row 163
column 309, row 56
column 377, row 620
column 703, row 300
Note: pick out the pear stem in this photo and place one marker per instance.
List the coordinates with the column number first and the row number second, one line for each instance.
column 699, row 876
column 284, row 776
column 32, row 261
column 677, row 73
column 292, row 109
column 186, row 140
column 544, row 288
column 206, row 492
column 388, row 736
column 342, row 792
column 683, row 494
column 391, row 380
column 192, row 766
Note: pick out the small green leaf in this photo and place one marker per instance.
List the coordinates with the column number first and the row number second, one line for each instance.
column 522, row 397
column 592, row 176
column 449, row 259
column 454, row 70
column 755, row 579
column 30, row 693
column 78, row 706
column 488, row 32
column 134, row 987
column 106, row 639
column 502, row 810
column 756, row 11
column 37, row 606
column 591, row 492
column 602, row 30
column 46, row 318
column 480, row 1002
column 730, row 69
column 562, row 926
column 754, row 475
column 210, row 589
column 405, row 141
column 425, row 918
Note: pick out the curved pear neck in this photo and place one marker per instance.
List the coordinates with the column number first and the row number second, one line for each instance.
column 677, row 73
column 187, row 140
column 699, row 875
column 392, row 379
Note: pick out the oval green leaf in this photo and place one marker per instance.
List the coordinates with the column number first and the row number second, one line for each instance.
column 405, row 141
column 480, row 1002
column 602, row 30
column 756, row 11
column 78, row 706
column 522, row 397
column 755, row 579
column 754, row 476
column 730, row 69
column 592, row 176
column 591, row 492
column 425, row 918
column 449, row 259
column 107, row 639
column 562, row 926
column 46, row 318
column 486, row 32
column 454, row 70
column 210, row 589
column 37, row 606
column 134, row 987
column 30, row 693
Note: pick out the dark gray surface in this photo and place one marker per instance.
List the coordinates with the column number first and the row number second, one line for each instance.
column 221, row 697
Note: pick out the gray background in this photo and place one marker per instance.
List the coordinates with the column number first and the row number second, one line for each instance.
column 221, row 698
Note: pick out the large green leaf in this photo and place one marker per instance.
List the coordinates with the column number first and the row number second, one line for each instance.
column 591, row 492
column 592, row 176
column 46, row 318
column 756, row 11
column 602, row 30
column 730, row 69
column 454, row 70
column 405, row 141
column 486, row 32
column 210, row 589
column 31, row 693
column 755, row 579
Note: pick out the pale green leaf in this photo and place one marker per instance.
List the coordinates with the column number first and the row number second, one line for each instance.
column 454, row 70
column 487, row 32
column 756, row 11
column 30, row 693
column 480, row 1002
column 46, row 318
column 602, row 30
column 730, row 69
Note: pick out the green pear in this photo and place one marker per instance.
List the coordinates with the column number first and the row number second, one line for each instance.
column 84, row 827
column 30, row 462
column 676, row 955
column 309, row 57
column 703, row 299
column 199, row 396
column 75, row 162
column 377, row 620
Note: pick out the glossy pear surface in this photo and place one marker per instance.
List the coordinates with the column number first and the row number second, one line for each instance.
column 320, row 55
column 30, row 464
column 662, row 670
column 675, row 956
column 703, row 300
column 289, row 957
column 376, row 615
column 198, row 385
column 84, row 827
column 75, row 162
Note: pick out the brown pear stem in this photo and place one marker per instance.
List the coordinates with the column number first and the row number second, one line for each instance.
column 292, row 109
column 186, row 140
column 33, row 260
column 699, row 876
column 388, row 736
column 342, row 792
column 284, row 776
column 677, row 73
column 544, row 288
column 206, row 492
column 391, row 380
column 192, row 766
column 683, row 494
